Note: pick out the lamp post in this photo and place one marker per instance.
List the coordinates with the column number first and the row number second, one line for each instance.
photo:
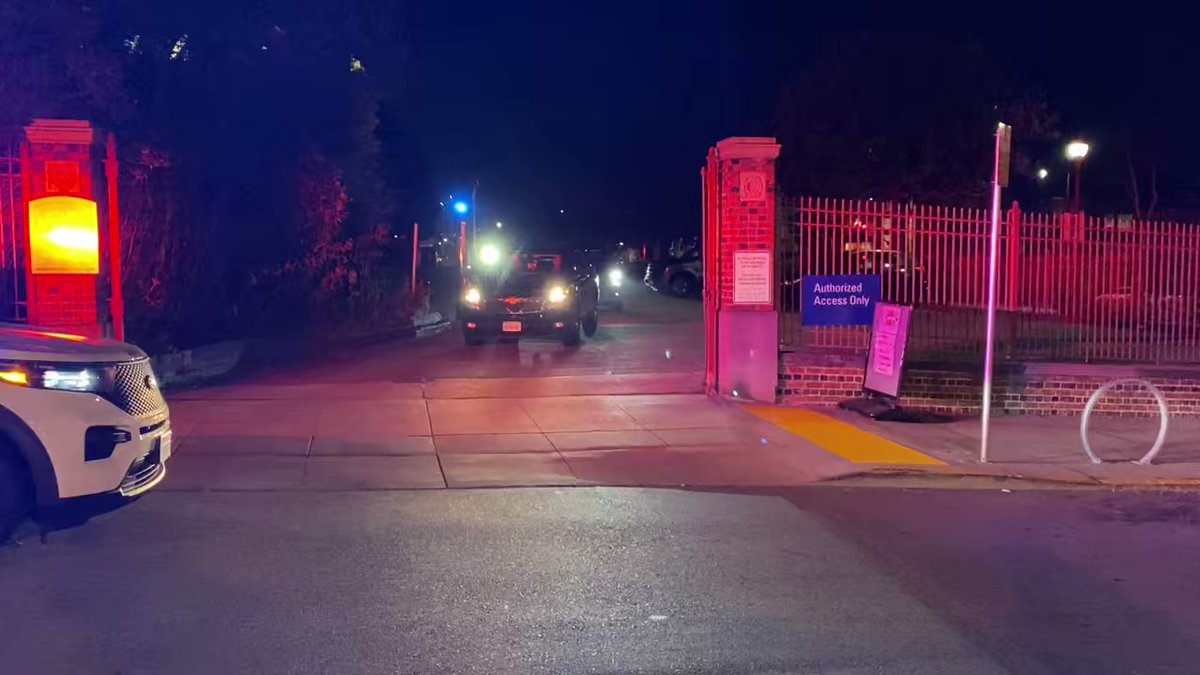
column 1077, row 151
column 475, row 209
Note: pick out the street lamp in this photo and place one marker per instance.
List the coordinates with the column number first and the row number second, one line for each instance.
column 1042, row 174
column 1077, row 151
column 499, row 225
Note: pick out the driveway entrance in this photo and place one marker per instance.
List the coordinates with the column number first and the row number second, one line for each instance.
column 656, row 334
column 626, row 408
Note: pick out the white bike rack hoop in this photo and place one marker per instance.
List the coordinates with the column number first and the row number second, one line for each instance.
column 1164, row 416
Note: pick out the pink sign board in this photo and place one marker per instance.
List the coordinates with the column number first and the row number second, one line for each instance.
column 885, row 358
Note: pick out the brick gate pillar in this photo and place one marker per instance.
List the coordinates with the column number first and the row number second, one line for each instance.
column 747, row 323
column 62, row 263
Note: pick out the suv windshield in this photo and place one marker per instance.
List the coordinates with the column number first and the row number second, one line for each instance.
column 523, row 283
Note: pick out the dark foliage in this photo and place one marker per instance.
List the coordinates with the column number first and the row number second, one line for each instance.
column 253, row 193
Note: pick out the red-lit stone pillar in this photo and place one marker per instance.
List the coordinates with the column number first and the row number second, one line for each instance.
column 62, row 251
column 747, row 323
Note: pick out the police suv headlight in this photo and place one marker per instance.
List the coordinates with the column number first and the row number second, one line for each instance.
column 60, row 376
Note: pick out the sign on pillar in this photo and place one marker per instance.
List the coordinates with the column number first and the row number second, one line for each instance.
column 63, row 228
column 753, row 280
column 747, row 345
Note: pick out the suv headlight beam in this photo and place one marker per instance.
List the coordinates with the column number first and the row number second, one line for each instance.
column 53, row 376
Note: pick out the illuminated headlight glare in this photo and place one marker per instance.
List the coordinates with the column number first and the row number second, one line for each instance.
column 489, row 255
column 473, row 296
column 558, row 294
column 615, row 276
column 71, row 380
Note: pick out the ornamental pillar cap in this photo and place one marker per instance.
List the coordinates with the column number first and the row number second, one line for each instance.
column 748, row 147
column 74, row 132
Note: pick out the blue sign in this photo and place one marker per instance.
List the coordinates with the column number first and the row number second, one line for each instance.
column 839, row 299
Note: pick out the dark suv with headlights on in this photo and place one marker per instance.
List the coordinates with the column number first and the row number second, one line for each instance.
column 532, row 295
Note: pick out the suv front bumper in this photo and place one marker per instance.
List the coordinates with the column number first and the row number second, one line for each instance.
column 148, row 470
column 60, row 421
column 537, row 324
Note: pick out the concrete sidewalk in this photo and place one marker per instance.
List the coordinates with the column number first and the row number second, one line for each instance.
column 632, row 429
column 482, row 433
column 1038, row 448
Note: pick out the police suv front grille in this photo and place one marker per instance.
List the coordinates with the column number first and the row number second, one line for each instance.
column 135, row 390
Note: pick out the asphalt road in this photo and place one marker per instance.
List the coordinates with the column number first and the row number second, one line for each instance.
column 655, row 333
column 815, row 580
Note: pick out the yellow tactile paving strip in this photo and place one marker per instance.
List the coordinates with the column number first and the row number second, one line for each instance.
column 844, row 440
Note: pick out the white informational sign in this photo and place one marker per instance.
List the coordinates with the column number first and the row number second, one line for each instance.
column 885, row 360
column 752, row 277
column 886, row 330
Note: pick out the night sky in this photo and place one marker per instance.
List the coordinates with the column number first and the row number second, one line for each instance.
column 605, row 110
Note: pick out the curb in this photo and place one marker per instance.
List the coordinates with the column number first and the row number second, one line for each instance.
column 208, row 363
column 953, row 472
column 434, row 328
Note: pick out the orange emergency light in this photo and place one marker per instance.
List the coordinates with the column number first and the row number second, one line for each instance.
column 64, row 236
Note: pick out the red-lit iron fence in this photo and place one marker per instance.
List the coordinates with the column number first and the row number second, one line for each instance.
column 13, row 306
column 1071, row 287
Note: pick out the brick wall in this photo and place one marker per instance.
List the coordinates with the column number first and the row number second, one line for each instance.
column 67, row 302
column 1033, row 389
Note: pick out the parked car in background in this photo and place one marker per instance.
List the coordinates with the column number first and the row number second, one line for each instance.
column 78, row 416
column 1123, row 306
column 681, row 277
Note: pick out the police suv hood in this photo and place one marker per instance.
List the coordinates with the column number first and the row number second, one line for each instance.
column 25, row 343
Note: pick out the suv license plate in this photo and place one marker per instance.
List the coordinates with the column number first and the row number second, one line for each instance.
column 511, row 327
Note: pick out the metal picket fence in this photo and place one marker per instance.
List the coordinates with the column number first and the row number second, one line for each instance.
column 1071, row 287
column 13, row 305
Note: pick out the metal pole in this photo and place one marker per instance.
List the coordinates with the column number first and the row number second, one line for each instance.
column 462, row 248
column 989, row 346
column 1077, row 200
column 416, row 258
column 31, row 305
column 114, row 240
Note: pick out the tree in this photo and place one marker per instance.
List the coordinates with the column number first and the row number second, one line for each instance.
column 54, row 63
column 241, row 125
column 901, row 117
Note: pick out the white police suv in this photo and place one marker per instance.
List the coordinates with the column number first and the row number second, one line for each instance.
column 78, row 416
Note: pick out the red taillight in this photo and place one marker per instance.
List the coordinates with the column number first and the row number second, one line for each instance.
column 471, row 325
